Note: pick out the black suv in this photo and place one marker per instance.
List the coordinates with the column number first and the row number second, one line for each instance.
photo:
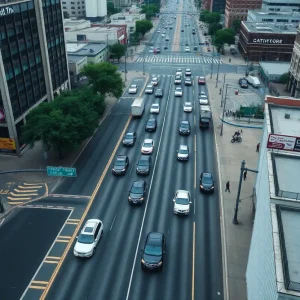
column 158, row 93
column 129, row 138
column 120, row 165
column 137, row 192
column 151, row 125
column 144, row 165
column 243, row 83
column 185, row 128
column 207, row 183
column 154, row 251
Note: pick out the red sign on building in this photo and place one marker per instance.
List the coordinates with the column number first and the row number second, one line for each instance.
column 283, row 142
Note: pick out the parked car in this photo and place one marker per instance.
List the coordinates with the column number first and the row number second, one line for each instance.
column 243, row 83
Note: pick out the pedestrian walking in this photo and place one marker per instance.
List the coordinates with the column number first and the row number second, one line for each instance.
column 220, row 91
column 227, row 187
column 245, row 175
column 257, row 147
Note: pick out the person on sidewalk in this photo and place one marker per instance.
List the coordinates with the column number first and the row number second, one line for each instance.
column 227, row 187
column 257, row 147
column 245, row 175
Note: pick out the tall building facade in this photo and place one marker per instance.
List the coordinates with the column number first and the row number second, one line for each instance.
column 294, row 81
column 95, row 10
column 281, row 5
column 73, row 9
column 33, row 63
column 238, row 9
column 218, row 6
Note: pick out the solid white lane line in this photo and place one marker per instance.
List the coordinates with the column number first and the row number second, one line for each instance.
column 113, row 222
column 147, row 202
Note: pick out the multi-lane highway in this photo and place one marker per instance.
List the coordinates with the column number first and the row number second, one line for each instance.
column 193, row 264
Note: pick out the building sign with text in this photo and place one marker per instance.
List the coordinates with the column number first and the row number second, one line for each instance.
column 5, row 11
column 267, row 41
column 283, row 142
column 7, row 145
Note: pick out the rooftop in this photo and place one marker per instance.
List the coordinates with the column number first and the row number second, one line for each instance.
column 276, row 13
column 107, row 29
column 275, row 68
column 85, row 49
column 271, row 27
column 74, row 58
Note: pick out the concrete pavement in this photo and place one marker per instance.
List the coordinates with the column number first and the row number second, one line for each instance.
column 235, row 238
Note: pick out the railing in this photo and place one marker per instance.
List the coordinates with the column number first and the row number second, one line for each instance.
column 286, row 194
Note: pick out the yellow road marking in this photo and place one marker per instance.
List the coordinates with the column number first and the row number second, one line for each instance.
column 18, row 199
column 71, row 223
column 51, row 261
column 30, row 187
column 62, row 241
column 195, row 164
column 43, row 296
column 39, row 282
column 37, row 287
column 25, row 191
column 65, row 236
column 21, row 195
column 193, row 270
column 15, row 203
column 53, row 257
column 77, row 220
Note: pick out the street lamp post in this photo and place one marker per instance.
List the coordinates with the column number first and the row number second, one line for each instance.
column 223, row 114
column 218, row 72
column 224, row 77
column 246, row 73
column 211, row 66
column 143, row 63
column 125, row 63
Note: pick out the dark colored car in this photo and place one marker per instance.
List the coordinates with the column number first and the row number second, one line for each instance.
column 166, row 47
column 188, row 81
column 144, row 165
column 243, row 83
column 195, row 48
column 201, row 80
column 137, row 192
column 182, row 30
column 184, row 128
column 154, row 251
column 207, row 183
column 193, row 32
column 129, row 139
column 157, row 50
column 120, row 165
column 151, row 125
column 159, row 93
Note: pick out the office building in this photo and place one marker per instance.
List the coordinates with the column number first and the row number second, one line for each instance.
column 73, row 8
column 281, row 5
column 95, row 10
column 274, row 17
column 266, row 41
column 218, row 6
column 33, row 63
column 294, row 81
column 274, row 256
column 238, row 9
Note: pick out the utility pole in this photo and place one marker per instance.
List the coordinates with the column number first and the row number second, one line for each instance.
column 125, row 63
column 218, row 71
column 143, row 63
column 223, row 115
column 223, row 89
column 211, row 66
column 243, row 169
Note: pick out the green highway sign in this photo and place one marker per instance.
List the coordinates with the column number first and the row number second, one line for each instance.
column 61, row 171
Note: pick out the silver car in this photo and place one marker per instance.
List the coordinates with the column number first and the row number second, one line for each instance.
column 154, row 109
column 183, row 153
column 178, row 91
column 187, row 107
column 133, row 89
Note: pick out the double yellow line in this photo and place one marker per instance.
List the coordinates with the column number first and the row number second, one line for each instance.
column 43, row 296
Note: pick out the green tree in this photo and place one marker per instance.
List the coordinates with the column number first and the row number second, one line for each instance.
column 143, row 26
column 203, row 15
column 224, row 36
column 111, row 8
column 236, row 25
column 65, row 122
column 117, row 50
column 104, row 78
column 284, row 78
column 149, row 7
column 210, row 17
column 213, row 28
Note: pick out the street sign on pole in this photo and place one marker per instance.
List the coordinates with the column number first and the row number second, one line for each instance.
column 61, row 171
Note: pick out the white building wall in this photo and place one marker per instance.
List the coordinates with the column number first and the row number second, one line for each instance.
column 102, row 8
column 91, row 8
column 110, row 37
column 260, row 274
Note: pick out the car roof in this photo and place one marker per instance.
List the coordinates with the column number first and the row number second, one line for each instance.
column 188, row 70
column 201, row 77
column 155, row 236
column 155, row 104
column 183, row 147
column 207, row 174
column 145, row 157
column 90, row 225
column 187, row 103
column 130, row 133
column 150, row 85
column 138, row 183
column 133, row 85
column 154, row 78
column 178, row 88
column 148, row 140
column 182, row 194
column 159, row 89
column 185, row 122
column 121, row 157
column 151, row 120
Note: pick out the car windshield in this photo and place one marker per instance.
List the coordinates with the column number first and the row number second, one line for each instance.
column 143, row 163
column 128, row 135
column 136, row 190
column 153, row 250
column 182, row 201
column 155, row 106
column 188, row 104
column 120, row 163
column 178, row 89
column 206, row 180
column 133, row 86
column 149, row 87
column 147, row 145
column 185, row 125
column 85, row 239
column 183, row 151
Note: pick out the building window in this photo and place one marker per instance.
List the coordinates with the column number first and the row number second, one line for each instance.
column 72, row 7
column 64, row 7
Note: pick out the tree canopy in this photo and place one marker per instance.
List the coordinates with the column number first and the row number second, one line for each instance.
column 210, row 17
column 66, row 121
column 117, row 50
column 143, row 26
column 213, row 28
column 111, row 8
column 104, row 78
column 236, row 25
column 150, row 10
column 224, row 36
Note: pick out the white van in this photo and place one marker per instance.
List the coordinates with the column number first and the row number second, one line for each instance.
column 254, row 81
column 137, row 107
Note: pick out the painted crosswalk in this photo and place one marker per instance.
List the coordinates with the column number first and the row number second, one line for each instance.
column 178, row 59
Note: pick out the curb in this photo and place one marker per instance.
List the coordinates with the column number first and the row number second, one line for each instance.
column 239, row 125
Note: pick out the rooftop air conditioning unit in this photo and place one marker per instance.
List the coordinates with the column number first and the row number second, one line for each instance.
column 287, row 116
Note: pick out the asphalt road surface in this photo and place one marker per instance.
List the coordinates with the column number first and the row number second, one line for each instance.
column 193, row 267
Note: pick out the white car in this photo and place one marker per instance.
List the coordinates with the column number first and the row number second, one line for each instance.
column 167, row 38
column 154, row 80
column 147, row 146
column 182, row 202
column 158, row 31
column 187, row 107
column 187, row 49
column 154, row 109
column 183, row 152
column 178, row 91
column 163, row 35
column 149, row 89
column 133, row 89
column 203, row 100
column 178, row 72
column 88, row 238
column 202, row 93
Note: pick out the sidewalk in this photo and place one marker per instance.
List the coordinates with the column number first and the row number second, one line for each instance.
column 235, row 238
